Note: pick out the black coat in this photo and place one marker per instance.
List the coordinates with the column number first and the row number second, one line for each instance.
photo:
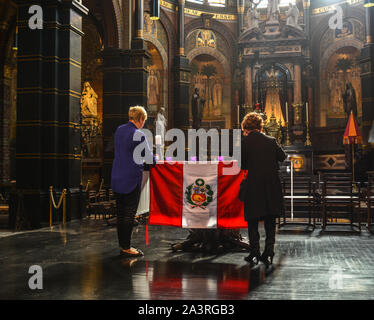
column 261, row 155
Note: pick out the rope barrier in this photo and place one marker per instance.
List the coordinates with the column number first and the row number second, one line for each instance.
column 101, row 185
column 52, row 203
column 87, row 185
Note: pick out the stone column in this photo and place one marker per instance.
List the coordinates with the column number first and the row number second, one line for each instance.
column 182, row 77
column 8, row 10
column 241, row 9
column 297, row 84
column 114, row 112
column 48, row 151
column 139, row 8
column 248, row 86
column 310, row 105
column 125, row 85
column 306, row 4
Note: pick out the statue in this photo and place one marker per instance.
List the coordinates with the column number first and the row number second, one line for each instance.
column 349, row 99
column 197, row 109
column 252, row 17
column 293, row 16
column 152, row 89
column 273, row 10
column 160, row 124
column 88, row 102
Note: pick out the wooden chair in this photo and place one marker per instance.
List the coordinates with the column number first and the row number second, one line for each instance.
column 340, row 199
column 92, row 205
column 302, row 198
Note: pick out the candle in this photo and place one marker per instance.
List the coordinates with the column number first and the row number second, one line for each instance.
column 307, row 113
column 158, row 140
column 238, row 115
column 287, row 112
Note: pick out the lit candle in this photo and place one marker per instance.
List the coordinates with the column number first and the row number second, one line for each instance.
column 287, row 112
column 307, row 113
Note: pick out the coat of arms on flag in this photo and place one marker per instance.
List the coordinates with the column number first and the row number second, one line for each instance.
column 199, row 194
column 196, row 196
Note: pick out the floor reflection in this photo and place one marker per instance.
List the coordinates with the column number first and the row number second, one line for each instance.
column 83, row 262
column 183, row 280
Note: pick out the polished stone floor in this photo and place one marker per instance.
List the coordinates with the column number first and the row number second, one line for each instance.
column 82, row 262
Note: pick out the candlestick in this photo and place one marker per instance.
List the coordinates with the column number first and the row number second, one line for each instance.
column 308, row 143
column 286, row 112
column 307, row 113
column 238, row 116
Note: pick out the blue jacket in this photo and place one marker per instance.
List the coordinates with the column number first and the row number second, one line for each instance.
column 126, row 173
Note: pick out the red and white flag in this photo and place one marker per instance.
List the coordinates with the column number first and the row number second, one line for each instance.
column 195, row 195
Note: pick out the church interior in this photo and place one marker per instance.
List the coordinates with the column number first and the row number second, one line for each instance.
column 306, row 66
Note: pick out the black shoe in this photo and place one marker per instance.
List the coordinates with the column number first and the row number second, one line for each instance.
column 267, row 259
column 252, row 259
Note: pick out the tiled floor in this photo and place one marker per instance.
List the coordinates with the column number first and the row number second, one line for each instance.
column 82, row 262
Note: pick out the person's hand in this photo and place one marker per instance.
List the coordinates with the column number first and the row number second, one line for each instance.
column 245, row 132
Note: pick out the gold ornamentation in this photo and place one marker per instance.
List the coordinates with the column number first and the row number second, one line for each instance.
column 206, row 38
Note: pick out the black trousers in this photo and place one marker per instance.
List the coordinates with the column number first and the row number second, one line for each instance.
column 254, row 236
column 127, row 205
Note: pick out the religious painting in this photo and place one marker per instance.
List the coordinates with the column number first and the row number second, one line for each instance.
column 153, row 88
column 150, row 26
column 346, row 31
column 342, row 72
column 208, row 77
column 154, row 82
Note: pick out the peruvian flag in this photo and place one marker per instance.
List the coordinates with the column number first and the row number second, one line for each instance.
column 196, row 195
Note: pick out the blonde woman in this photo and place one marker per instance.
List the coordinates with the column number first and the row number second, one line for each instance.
column 127, row 177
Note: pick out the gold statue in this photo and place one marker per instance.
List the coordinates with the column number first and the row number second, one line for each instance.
column 89, row 102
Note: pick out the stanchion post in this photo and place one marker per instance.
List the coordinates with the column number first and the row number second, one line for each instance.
column 50, row 206
column 64, row 207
